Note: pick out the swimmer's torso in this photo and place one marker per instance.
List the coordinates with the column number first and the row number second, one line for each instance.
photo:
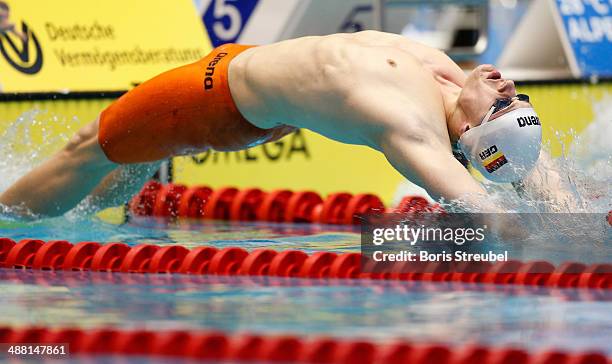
column 354, row 88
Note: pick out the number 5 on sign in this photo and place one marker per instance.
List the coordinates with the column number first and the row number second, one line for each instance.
column 226, row 9
column 225, row 19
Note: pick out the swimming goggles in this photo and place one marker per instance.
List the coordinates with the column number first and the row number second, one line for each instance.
column 501, row 104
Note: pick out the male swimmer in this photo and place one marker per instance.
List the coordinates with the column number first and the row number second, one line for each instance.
column 404, row 99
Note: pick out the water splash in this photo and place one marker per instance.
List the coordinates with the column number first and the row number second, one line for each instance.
column 583, row 174
column 29, row 140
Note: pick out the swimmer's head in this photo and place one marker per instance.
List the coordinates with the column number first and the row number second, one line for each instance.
column 482, row 87
column 505, row 145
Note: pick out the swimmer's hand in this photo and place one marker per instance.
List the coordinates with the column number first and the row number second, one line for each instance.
column 546, row 183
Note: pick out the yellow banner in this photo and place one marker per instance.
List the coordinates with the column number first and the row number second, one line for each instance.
column 76, row 45
column 300, row 161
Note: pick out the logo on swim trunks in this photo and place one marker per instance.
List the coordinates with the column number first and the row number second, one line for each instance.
column 528, row 120
column 20, row 47
column 210, row 71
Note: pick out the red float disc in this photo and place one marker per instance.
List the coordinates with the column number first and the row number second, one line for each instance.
column 318, row 265
column 551, row 357
column 29, row 335
column 596, row 276
column 134, row 342
column 287, row 263
column 502, row 272
column 509, row 356
column 198, row 260
column 534, row 273
column 258, row 262
column 193, row 201
column 99, row 341
column 168, row 259
column 285, row 349
column 397, row 353
column 274, row 206
column 51, row 255
column 362, row 204
column 79, row 257
column 5, row 247
column 142, row 204
column 173, row 343
column 245, row 204
column 301, row 205
column 208, row 346
column 322, row 350
column 69, row 335
column 427, row 354
column 22, row 254
column 334, row 208
column 109, row 257
column 346, row 266
column 246, row 347
column 167, row 200
column 566, row 275
column 227, row 261
column 218, row 205
column 138, row 259
column 358, row 352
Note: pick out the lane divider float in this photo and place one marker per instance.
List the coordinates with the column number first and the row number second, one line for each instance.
column 251, row 347
column 253, row 204
column 147, row 258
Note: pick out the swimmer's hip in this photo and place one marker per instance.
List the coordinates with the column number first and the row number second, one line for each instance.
column 183, row 111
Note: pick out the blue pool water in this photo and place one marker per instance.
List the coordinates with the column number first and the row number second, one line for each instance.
column 190, row 233
column 379, row 311
column 455, row 314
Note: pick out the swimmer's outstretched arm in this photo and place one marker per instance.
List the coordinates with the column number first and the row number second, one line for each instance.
column 426, row 161
column 65, row 179
column 121, row 185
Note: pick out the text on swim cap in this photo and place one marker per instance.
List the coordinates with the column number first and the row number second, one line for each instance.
column 210, row 71
column 488, row 152
column 528, row 120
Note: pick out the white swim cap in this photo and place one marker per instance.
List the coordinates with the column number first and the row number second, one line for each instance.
column 507, row 148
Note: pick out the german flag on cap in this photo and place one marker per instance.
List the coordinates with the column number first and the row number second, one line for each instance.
column 494, row 161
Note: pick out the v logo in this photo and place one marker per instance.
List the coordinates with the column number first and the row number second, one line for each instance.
column 24, row 53
column 18, row 55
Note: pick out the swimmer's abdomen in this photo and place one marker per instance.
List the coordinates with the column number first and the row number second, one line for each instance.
column 186, row 110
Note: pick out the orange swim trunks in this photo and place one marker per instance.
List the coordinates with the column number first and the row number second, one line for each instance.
column 183, row 111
